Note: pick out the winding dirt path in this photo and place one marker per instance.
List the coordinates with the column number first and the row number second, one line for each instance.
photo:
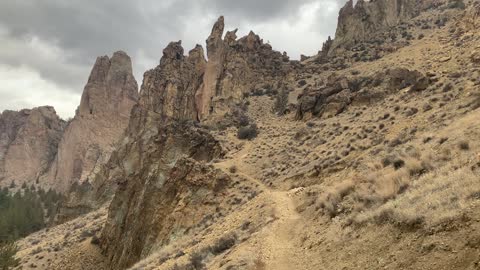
column 277, row 250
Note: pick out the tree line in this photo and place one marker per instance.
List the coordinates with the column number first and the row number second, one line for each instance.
column 23, row 212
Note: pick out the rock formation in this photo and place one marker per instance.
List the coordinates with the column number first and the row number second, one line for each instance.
column 235, row 68
column 363, row 20
column 28, row 144
column 159, row 170
column 337, row 92
column 163, row 188
column 99, row 122
column 180, row 88
column 170, row 88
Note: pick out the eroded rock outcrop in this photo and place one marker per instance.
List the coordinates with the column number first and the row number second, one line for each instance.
column 159, row 170
column 164, row 189
column 170, row 88
column 28, row 144
column 362, row 21
column 99, row 122
column 338, row 92
column 235, row 68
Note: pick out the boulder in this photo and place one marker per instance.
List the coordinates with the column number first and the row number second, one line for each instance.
column 400, row 78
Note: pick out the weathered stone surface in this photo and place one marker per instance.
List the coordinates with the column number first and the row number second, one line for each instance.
column 160, row 180
column 400, row 78
column 28, row 144
column 337, row 93
column 234, row 68
column 100, row 121
column 329, row 100
column 363, row 20
column 170, row 88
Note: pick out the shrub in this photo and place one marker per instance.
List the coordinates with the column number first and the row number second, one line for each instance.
column 374, row 189
column 281, row 102
column 223, row 244
column 233, row 169
column 247, row 133
column 463, row 145
column 436, row 197
column 197, row 261
column 95, row 240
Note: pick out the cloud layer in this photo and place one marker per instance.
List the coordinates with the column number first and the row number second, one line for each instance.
column 49, row 46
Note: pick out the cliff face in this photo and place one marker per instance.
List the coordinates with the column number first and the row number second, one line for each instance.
column 361, row 21
column 28, row 144
column 99, row 122
column 164, row 187
column 169, row 89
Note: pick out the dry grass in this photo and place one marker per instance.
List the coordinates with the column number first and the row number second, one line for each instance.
column 426, row 190
column 373, row 189
column 434, row 198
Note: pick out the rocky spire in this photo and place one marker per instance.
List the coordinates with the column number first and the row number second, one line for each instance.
column 169, row 89
column 111, row 87
column 101, row 119
column 214, row 41
column 234, row 69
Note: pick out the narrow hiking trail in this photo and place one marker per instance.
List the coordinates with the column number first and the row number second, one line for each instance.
column 277, row 250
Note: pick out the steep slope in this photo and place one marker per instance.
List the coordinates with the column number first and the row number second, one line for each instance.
column 28, row 144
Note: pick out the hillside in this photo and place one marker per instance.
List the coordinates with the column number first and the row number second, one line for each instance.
column 365, row 156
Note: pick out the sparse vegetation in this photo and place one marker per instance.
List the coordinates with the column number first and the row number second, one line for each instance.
column 456, row 4
column 232, row 169
column 463, row 145
column 374, row 189
column 434, row 198
column 248, row 132
column 281, row 102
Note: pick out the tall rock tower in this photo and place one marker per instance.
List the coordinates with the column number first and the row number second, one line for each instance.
column 100, row 120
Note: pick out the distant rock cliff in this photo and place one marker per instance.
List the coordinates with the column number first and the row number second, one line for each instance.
column 99, row 122
column 28, row 144
column 361, row 21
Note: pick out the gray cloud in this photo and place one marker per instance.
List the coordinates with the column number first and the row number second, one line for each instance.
column 59, row 40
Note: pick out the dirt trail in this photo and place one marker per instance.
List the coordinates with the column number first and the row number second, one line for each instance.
column 277, row 250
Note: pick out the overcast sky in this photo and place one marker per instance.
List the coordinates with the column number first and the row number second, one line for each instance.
column 48, row 47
